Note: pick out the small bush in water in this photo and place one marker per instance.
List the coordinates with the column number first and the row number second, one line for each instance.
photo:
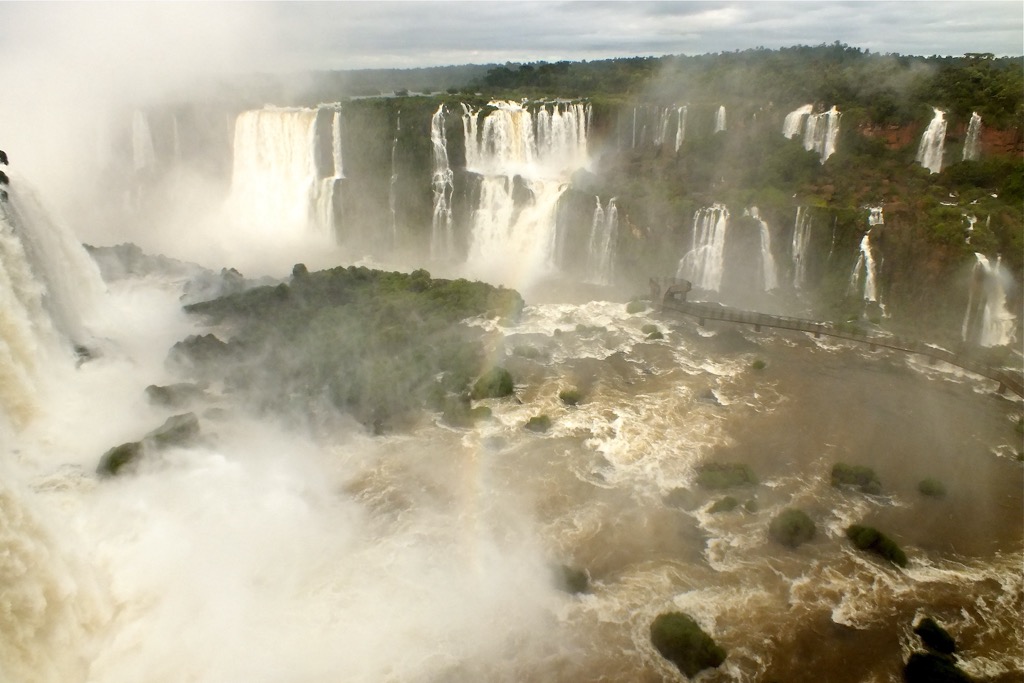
column 792, row 527
column 681, row 641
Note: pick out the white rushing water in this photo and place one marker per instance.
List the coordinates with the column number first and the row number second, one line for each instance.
column 604, row 233
column 821, row 133
column 325, row 201
column 680, row 126
column 720, row 119
column 988, row 321
column 972, row 146
column 801, row 244
column 933, row 141
column 769, row 273
column 525, row 157
column 442, row 237
column 864, row 271
column 794, row 122
column 704, row 264
column 274, row 179
column 393, row 183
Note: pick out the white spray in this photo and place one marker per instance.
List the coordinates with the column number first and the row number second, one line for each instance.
column 801, row 242
column 933, row 140
column 972, row 151
column 704, row 264
column 442, row 239
column 604, row 231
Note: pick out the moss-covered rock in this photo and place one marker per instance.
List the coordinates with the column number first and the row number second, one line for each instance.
column 495, row 383
column 573, row 580
column 932, row 488
column 871, row 539
column 758, row 364
column 727, row 504
column 858, row 476
column 792, row 527
column 173, row 395
column 934, row 637
column 118, row 458
column 681, row 641
column 538, row 423
column 178, row 430
column 636, row 306
column 570, row 397
column 723, row 475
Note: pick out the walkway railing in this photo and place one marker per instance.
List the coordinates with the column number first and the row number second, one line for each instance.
column 671, row 293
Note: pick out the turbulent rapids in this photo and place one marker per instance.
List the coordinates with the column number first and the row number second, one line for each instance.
column 339, row 466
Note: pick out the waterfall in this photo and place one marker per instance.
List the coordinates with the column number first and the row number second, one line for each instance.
column 442, row 238
column 821, row 133
column 392, row 184
column 274, row 180
column 801, row 241
column 929, row 152
column 49, row 288
column 865, row 263
column 143, row 154
column 680, row 126
column 971, row 150
column 876, row 216
column 794, row 122
column 971, row 220
column 769, row 274
column 604, row 232
column 703, row 264
column 525, row 159
column 987, row 321
column 720, row 119
column 328, row 186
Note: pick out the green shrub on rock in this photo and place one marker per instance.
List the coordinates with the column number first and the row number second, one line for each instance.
column 636, row 306
column 495, row 383
column 538, row 423
column 792, row 527
column 681, row 641
column 727, row 504
column 932, row 488
column 723, row 475
column 869, row 538
column 758, row 364
column 858, row 476
column 570, row 397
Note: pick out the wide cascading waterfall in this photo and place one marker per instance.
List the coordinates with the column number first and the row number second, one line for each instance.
column 864, row 270
column 604, row 231
column 769, row 274
column 525, row 159
column 801, row 243
column 933, row 140
column 442, row 237
column 704, row 264
column 275, row 182
column 821, row 133
column 972, row 150
column 720, row 119
column 794, row 121
column 987, row 321
column 680, row 126
column 49, row 289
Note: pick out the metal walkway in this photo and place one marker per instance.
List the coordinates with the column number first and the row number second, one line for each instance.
column 671, row 293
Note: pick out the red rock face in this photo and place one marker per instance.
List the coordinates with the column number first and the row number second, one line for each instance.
column 993, row 141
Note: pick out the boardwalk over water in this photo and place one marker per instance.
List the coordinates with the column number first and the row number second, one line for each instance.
column 671, row 294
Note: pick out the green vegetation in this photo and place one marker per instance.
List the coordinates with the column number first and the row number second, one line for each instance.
column 380, row 346
column 636, row 306
column 858, row 476
column 495, row 383
column 758, row 364
column 177, row 430
column 751, row 505
column 570, row 397
column 727, row 504
column 716, row 476
column 573, row 580
column 681, row 641
column 652, row 331
column 932, row 488
column 871, row 539
column 792, row 527
column 538, row 423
